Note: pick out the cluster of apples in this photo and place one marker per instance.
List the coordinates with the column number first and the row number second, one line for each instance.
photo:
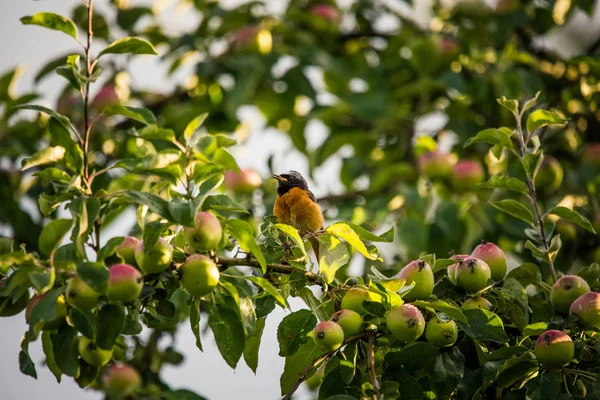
column 463, row 174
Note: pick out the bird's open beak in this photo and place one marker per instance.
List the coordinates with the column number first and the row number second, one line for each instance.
column 279, row 178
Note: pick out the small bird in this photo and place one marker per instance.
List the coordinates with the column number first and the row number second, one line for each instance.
column 295, row 205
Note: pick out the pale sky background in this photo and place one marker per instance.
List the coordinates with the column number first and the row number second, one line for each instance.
column 205, row 373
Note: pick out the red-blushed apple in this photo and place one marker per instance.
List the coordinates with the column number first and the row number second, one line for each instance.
column 554, row 349
column 436, row 165
column 80, row 295
column 477, row 302
column 591, row 154
column 8, row 307
column 452, row 268
column 206, row 233
column 326, row 11
column 121, row 380
column 440, row 333
column 405, row 323
column 494, row 257
column 106, row 96
column 244, row 36
column 587, row 308
column 566, row 290
column 467, row 174
column 350, row 321
column 419, row 272
column 354, row 298
column 126, row 250
column 246, row 181
column 472, row 274
column 156, row 259
column 93, row 354
column 60, row 311
column 125, row 283
column 550, row 175
column 328, row 336
column 199, row 275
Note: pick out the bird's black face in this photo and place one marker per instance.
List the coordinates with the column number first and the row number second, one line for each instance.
column 290, row 180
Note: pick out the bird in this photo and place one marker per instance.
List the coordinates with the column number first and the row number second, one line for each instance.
column 297, row 206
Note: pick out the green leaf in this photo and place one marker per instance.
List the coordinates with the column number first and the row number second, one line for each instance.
column 526, row 274
column 532, row 163
column 153, row 132
column 293, row 331
column 180, row 212
column 64, row 343
column 183, row 394
column 193, row 126
column 224, row 158
column 109, row 325
column 516, row 369
column 295, row 364
column 516, row 209
column 52, row 235
column 109, row 248
column 348, row 363
column 506, row 352
column 87, row 374
column 60, row 118
column 45, row 309
column 492, row 136
column 313, row 303
column 541, row 118
column 333, row 255
column 505, row 182
column 365, row 235
column 535, row 329
column 222, row 202
column 165, row 309
column 226, row 324
column 413, row 356
column 293, row 234
column 132, row 323
column 45, row 156
column 511, row 105
column 85, row 322
column 484, row 325
column 129, row 45
column 269, row 288
column 49, row 353
column 26, row 365
column 333, row 383
column 344, row 231
column 446, row 372
column 442, row 263
column 531, row 102
column 95, row 275
column 573, row 216
column 142, row 115
column 545, row 386
column 195, row 321
column 452, row 310
column 52, row 21
column 242, row 232
column 253, row 344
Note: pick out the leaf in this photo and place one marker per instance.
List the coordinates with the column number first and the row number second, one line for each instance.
column 344, row 231
column 195, row 321
column 541, row 118
column 446, row 372
column 65, row 344
column 442, row 263
column 365, row 235
column 511, row 105
column 295, row 364
column 242, row 232
column 45, row 309
column 165, row 309
column 222, row 202
column 545, row 386
column 293, row 330
column 26, row 365
column 52, row 21
column 573, row 216
column 516, row 369
column 532, row 163
column 49, row 353
column 413, row 356
column 293, row 234
column 73, row 157
column 253, row 345
column 269, row 288
column 84, row 321
column 95, row 275
column 183, row 394
column 193, row 126
column 224, row 320
column 45, row 156
column 87, row 374
column 109, row 248
column 153, row 132
column 484, row 325
column 60, row 118
column 516, row 209
column 129, row 45
column 492, row 136
column 452, row 310
column 109, row 325
column 313, row 303
column 333, row 255
column 180, row 212
column 535, row 329
column 132, row 322
column 52, row 235
column 332, row 383
column 531, row 102
column 526, row 274
column 142, row 115
column 505, row 182
column 224, row 158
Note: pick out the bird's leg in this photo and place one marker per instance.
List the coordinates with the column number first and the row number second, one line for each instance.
column 287, row 252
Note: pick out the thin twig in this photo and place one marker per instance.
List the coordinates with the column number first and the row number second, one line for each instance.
column 86, row 97
column 371, row 361
column 227, row 262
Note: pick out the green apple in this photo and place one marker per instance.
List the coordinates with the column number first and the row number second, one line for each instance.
column 9, row 307
column 452, row 268
column 420, row 273
column 121, row 380
column 156, row 259
column 405, row 323
column 494, row 257
column 126, row 250
column 566, row 290
column 550, row 175
column 93, row 354
column 472, row 274
column 328, row 336
column 125, row 283
column 354, row 298
column 587, row 308
column 554, row 349
column 350, row 321
column 440, row 333
column 477, row 302
column 206, row 233
column 60, row 311
column 467, row 174
column 80, row 295
column 199, row 275
column 244, row 182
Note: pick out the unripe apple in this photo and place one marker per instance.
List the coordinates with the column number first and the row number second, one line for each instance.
column 125, row 283
column 554, row 349
column 328, row 336
column 436, row 165
column 106, row 96
column 60, row 311
column 472, row 274
column 550, row 175
column 126, row 250
column 246, row 181
column 244, row 36
column 477, row 302
column 93, row 354
column 354, row 298
column 587, row 308
column 452, row 268
column 10, row 308
column 420, row 273
column 405, row 322
column 156, row 259
column 199, row 275
column 80, row 295
column 566, row 290
column 206, row 235
column 591, row 154
column 121, row 380
column 349, row 320
column 326, row 11
column 440, row 333
column 494, row 257
column 467, row 174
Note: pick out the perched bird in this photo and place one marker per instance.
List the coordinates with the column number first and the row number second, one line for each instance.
column 295, row 205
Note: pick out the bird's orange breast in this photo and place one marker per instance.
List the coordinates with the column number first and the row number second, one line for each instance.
column 297, row 209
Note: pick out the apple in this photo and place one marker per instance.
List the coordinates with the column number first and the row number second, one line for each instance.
column 591, row 154
column 477, row 302
column 121, row 380
column 80, row 295
column 125, row 283
column 328, row 336
column 472, row 274
column 199, row 275
column 60, row 311
column 93, row 354
column 10, row 307
column 349, row 320
column 126, row 250
column 554, row 349
column 440, row 333
column 405, row 323
column 436, row 165
column 354, row 298
column 467, row 174
column 587, row 308
column 494, row 257
column 206, row 234
column 566, row 290
column 246, row 181
column 326, row 11
column 156, row 259
column 452, row 268
column 420, row 273
column 550, row 175
column 106, row 96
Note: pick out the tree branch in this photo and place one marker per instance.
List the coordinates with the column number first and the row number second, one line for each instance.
column 371, row 362
column 227, row 262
